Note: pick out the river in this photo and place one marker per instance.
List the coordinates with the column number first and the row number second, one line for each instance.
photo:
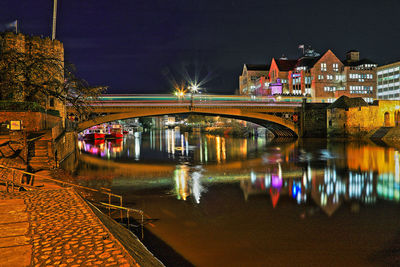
column 224, row 201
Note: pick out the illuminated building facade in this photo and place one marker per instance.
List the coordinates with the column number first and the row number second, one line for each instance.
column 252, row 80
column 324, row 77
column 48, row 53
column 278, row 75
column 351, row 116
column 389, row 81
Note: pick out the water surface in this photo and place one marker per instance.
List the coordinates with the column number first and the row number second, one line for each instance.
column 223, row 201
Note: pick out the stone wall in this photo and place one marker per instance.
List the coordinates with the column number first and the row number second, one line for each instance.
column 30, row 121
column 361, row 120
column 314, row 120
column 51, row 51
column 64, row 146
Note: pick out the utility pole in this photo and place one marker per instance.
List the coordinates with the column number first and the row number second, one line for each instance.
column 53, row 36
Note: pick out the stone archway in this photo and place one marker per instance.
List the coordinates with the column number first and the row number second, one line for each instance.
column 386, row 122
column 397, row 118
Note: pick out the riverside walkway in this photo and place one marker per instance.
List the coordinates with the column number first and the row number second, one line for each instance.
column 54, row 226
column 62, row 231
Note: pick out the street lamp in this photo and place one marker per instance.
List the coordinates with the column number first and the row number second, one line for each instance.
column 194, row 88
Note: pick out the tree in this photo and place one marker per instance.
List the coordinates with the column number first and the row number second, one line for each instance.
column 35, row 76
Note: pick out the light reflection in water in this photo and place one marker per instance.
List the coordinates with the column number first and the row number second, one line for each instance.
column 364, row 173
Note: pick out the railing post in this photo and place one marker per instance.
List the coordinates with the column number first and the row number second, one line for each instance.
column 120, row 202
column 127, row 216
column 109, row 202
column 13, row 174
column 142, row 226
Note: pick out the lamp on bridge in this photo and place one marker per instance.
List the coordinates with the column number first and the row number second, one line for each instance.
column 194, row 88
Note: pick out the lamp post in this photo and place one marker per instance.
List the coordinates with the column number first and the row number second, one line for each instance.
column 193, row 89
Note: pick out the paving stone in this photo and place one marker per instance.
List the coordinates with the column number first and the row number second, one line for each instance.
column 13, row 217
column 14, row 241
column 11, row 256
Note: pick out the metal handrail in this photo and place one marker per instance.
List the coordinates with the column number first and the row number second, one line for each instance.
column 108, row 205
column 66, row 183
column 127, row 213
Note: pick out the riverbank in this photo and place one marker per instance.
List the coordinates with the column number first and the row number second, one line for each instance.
column 52, row 225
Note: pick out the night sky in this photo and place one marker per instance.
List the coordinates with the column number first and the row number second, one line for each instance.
column 141, row 46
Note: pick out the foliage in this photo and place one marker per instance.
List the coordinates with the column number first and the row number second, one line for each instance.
column 26, row 106
column 35, row 77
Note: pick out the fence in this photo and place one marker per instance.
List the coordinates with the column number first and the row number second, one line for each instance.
column 13, row 183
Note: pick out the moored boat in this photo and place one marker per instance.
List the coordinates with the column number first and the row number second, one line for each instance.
column 114, row 132
column 94, row 133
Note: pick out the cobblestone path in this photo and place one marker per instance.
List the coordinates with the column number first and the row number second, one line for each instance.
column 64, row 231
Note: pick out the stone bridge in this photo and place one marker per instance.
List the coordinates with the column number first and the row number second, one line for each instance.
column 283, row 119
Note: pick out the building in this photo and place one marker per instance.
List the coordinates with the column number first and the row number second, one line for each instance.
column 252, row 80
column 323, row 78
column 359, row 77
column 354, row 116
column 318, row 76
column 278, row 75
column 388, row 81
column 26, row 53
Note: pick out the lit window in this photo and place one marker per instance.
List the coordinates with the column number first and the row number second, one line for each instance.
column 323, row 66
column 335, row 67
column 320, row 77
column 329, row 77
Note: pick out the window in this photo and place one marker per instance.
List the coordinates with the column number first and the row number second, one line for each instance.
column 323, row 66
column 329, row 88
column 51, row 102
column 329, row 77
column 361, row 89
column 320, row 77
column 335, row 67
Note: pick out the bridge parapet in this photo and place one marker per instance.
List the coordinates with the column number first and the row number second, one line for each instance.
column 283, row 119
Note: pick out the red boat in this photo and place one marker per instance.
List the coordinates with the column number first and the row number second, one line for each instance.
column 94, row 134
column 114, row 132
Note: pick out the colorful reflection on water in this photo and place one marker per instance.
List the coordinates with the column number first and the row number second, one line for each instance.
column 350, row 172
column 355, row 185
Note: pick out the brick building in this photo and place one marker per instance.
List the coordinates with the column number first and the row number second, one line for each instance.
column 324, row 77
column 388, row 81
column 278, row 75
column 252, row 80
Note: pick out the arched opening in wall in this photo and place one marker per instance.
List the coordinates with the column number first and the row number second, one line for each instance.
column 397, row 118
column 386, row 122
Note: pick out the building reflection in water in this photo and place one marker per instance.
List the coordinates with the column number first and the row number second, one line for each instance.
column 362, row 173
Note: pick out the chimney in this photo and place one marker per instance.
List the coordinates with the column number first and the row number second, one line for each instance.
column 353, row 55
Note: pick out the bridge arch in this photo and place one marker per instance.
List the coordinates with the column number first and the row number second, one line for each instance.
column 280, row 127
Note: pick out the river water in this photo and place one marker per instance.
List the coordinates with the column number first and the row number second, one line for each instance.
column 224, row 201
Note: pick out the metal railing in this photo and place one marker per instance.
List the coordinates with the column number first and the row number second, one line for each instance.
column 110, row 206
column 63, row 183
column 14, row 184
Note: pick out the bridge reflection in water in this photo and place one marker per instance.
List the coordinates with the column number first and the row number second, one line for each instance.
column 189, row 164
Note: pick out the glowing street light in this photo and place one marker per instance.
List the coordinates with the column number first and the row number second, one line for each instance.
column 180, row 92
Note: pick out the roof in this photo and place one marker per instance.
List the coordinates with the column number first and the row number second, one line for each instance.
column 357, row 63
column 286, row 64
column 307, row 61
column 347, row 102
column 258, row 67
column 389, row 64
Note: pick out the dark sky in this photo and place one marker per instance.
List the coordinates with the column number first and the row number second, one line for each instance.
column 139, row 46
